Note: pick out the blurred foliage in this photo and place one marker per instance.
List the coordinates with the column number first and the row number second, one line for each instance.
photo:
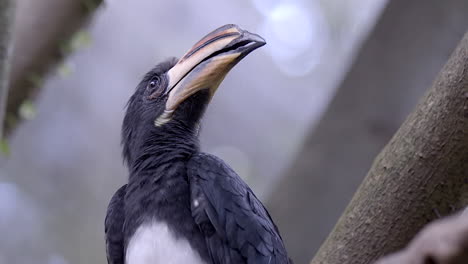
column 4, row 148
column 79, row 40
column 90, row 5
column 65, row 69
column 35, row 79
column 27, row 110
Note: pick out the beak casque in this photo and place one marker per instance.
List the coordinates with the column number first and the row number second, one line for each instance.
column 206, row 64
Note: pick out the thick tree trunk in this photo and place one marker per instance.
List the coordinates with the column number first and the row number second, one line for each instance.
column 6, row 17
column 421, row 172
column 43, row 30
column 408, row 46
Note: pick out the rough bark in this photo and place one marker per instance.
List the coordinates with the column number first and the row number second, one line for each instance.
column 443, row 242
column 406, row 49
column 6, row 17
column 42, row 33
column 422, row 172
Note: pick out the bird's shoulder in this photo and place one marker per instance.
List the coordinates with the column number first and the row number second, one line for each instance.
column 226, row 209
column 211, row 171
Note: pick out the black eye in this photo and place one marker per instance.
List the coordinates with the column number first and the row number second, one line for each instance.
column 152, row 88
column 153, row 83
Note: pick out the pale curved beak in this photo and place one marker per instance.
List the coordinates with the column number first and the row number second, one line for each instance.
column 206, row 64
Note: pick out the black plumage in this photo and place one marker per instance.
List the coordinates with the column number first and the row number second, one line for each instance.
column 200, row 198
column 236, row 226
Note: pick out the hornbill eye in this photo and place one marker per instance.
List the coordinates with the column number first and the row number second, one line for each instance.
column 152, row 88
column 153, row 83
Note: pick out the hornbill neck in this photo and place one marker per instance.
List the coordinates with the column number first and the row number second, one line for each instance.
column 165, row 145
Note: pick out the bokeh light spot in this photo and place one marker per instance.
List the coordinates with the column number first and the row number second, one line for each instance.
column 296, row 37
column 266, row 6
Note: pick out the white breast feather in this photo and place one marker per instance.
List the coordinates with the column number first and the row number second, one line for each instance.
column 154, row 243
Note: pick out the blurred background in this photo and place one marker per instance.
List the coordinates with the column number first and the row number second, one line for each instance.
column 300, row 119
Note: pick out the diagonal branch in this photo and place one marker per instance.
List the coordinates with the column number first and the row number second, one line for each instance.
column 392, row 70
column 423, row 171
column 6, row 17
column 43, row 37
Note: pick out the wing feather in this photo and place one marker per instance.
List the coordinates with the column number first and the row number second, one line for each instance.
column 113, row 228
column 237, row 226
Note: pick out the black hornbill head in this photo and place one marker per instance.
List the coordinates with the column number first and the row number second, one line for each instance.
column 174, row 94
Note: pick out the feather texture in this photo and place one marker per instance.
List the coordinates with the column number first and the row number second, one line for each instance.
column 237, row 227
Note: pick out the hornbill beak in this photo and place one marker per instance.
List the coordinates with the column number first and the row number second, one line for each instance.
column 206, row 64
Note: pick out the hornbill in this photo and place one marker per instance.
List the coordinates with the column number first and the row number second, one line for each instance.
column 181, row 205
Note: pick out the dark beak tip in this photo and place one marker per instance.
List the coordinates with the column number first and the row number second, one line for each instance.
column 263, row 43
column 253, row 37
column 258, row 41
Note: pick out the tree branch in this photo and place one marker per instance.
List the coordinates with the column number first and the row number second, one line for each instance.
column 6, row 17
column 423, row 171
column 390, row 73
column 43, row 31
